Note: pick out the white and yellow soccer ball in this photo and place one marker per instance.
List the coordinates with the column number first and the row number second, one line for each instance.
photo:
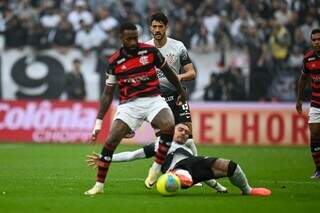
column 168, row 184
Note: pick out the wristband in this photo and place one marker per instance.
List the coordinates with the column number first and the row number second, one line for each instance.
column 98, row 124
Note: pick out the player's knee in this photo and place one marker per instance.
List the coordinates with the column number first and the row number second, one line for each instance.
column 221, row 164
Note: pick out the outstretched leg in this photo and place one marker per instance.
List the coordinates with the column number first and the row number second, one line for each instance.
column 223, row 168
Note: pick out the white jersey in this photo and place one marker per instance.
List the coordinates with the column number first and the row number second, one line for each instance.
column 176, row 55
column 177, row 156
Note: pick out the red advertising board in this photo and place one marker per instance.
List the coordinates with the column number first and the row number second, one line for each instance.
column 231, row 124
column 48, row 121
column 249, row 124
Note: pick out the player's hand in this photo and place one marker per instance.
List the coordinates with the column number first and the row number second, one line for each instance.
column 96, row 130
column 94, row 135
column 299, row 106
column 182, row 98
column 92, row 160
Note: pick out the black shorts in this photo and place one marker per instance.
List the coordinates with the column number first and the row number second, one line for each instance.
column 199, row 167
column 181, row 113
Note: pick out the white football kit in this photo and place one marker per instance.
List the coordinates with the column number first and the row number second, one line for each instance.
column 176, row 55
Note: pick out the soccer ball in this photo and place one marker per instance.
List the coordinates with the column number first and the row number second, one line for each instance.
column 168, row 184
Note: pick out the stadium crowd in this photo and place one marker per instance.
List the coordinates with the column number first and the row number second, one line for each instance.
column 274, row 34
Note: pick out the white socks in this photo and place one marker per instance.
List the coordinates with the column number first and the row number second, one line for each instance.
column 99, row 185
column 240, row 180
column 156, row 167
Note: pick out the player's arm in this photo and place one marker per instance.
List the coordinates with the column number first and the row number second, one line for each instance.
column 105, row 102
column 303, row 80
column 145, row 152
column 189, row 73
column 93, row 159
column 129, row 156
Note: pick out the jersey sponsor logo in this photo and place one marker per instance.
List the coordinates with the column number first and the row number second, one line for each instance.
column 121, row 60
column 143, row 52
column 138, row 79
column 144, row 60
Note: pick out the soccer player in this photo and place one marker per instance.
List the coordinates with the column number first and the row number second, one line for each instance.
column 180, row 139
column 133, row 69
column 177, row 57
column 311, row 69
column 189, row 168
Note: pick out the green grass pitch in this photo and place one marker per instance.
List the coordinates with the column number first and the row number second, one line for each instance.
column 53, row 177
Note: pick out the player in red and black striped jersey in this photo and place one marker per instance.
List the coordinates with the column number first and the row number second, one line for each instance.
column 133, row 69
column 136, row 75
column 311, row 70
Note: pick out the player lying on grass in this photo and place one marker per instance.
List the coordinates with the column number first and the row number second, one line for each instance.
column 189, row 168
column 180, row 140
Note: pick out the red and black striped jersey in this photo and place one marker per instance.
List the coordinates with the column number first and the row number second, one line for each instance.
column 136, row 75
column 311, row 67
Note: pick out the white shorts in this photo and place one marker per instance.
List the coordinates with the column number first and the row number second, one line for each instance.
column 314, row 115
column 141, row 109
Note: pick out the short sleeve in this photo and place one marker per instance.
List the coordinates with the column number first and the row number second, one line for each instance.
column 184, row 56
column 159, row 59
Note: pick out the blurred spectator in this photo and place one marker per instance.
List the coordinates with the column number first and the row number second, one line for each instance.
column 283, row 14
column 235, row 82
column 202, row 41
column 80, row 14
column 123, row 10
column 309, row 24
column 94, row 5
column 37, row 37
column 213, row 91
column 222, row 35
column 15, row 32
column 210, row 20
column 279, row 42
column 89, row 38
column 299, row 41
column 49, row 16
column 259, row 77
column 106, row 21
column 25, row 8
column 63, row 36
column 75, row 85
column 239, row 26
column 179, row 32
